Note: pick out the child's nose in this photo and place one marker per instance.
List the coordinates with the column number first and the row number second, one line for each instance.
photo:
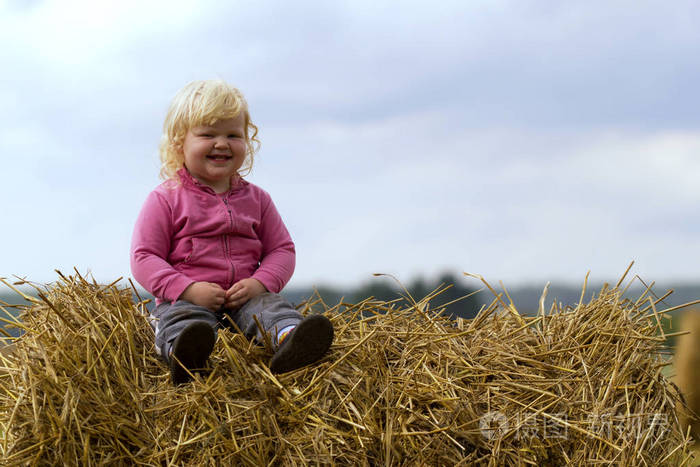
column 220, row 142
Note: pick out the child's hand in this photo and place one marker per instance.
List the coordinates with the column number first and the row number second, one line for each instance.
column 242, row 291
column 205, row 294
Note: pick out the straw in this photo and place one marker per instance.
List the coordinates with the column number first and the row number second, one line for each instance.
column 401, row 385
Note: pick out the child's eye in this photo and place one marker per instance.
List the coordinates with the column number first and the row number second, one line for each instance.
column 234, row 136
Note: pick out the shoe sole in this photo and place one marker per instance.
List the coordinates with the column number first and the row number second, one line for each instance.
column 307, row 343
column 192, row 349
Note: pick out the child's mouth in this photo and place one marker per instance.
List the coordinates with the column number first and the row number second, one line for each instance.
column 219, row 158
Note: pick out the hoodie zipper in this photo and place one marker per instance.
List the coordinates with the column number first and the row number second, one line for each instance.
column 225, row 239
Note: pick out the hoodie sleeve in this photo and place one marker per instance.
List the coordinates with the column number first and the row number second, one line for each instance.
column 150, row 248
column 278, row 255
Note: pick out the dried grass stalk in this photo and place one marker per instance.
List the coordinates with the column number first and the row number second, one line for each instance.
column 400, row 386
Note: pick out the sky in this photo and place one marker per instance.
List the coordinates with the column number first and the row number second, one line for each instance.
column 527, row 141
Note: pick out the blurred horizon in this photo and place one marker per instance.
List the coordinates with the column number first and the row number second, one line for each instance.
column 390, row 287
column 400, row 281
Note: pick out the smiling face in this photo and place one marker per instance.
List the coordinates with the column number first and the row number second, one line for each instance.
column 214, row 153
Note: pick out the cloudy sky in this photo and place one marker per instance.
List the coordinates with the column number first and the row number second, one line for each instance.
column 527, row 141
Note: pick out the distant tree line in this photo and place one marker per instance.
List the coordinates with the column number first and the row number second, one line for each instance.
column 456, row 299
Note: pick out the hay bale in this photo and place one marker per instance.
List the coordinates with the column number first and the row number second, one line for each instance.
column 687, row 366
column 400, row 386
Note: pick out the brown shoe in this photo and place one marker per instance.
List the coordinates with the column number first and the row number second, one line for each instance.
column 305, row 344
column 190, row 351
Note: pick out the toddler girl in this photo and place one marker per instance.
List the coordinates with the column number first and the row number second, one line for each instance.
column 211, row 246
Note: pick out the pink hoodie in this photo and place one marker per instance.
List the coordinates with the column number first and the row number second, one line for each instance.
column 187, row 233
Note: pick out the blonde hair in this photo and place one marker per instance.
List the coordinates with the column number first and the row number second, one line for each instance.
column 203, row 103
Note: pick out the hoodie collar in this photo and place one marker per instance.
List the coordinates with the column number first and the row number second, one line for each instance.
column 189, row 181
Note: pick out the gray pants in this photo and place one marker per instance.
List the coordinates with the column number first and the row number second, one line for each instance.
column 272, row 311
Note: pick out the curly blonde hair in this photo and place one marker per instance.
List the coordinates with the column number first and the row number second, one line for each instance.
column 203, row 103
